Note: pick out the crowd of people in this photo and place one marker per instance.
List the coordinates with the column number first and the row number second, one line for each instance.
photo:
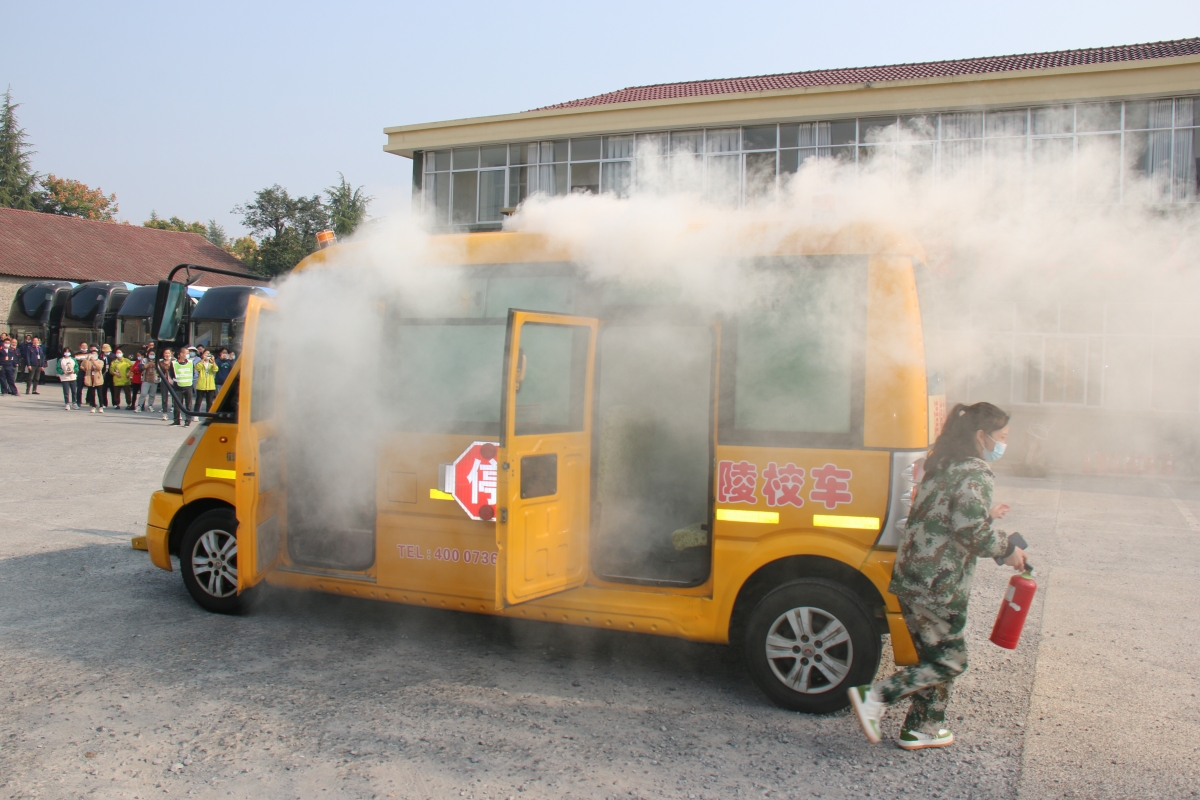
column 95, row 375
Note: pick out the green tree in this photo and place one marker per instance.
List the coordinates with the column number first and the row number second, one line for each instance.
column 174, row 224
column 286, row 227
column 71, row 198
column 216, row 235
column 347, row 206
column 18, row 181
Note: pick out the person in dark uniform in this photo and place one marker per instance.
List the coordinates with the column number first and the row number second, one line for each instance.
column 35, row 364
column 9, row 358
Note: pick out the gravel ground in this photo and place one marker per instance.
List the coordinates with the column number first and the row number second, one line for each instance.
column 113, row 683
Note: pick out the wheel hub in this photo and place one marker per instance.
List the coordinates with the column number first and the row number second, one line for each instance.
column 214, row 563
column 809, row 650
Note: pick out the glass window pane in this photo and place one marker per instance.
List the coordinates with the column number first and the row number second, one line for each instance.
column 960, row 158
column 493, row 156
column 1145, row 114
column 618, row 147
column 760, row 175
column 441, row 160
column 441, row 202
column 758, row 137
column 722, row 181
column 585, row 178
column 1185, row 167
column 1148, row 155
column 687, row 173
column 789, row 161
column 919, row 127
column 551, row 294
column 522, row 154
column 1187, row 112
column 449, row 379
column 550, row 396
column 552, row 179
column 585, row 149
column 877, row 129
column 465, row 186
column 1051, row 151
column 723, row 140
column 879, row 156
column 616, row 177
column 967, row 125
column 814, row 134
column 1007, row 123
column 1050, row 120
column 491, row 194
column 1097, row 117
column 789, row 135
column 844, row 155
column 915, row 159
column 553, row 152
column 1099, row 173
column 466, row 158
column 1064, row 370
column 1128, row 374
column 843, row 131
column 518, row 184
column 653, row 144
column 687, row 142
column 794, row 369
column 430, row 161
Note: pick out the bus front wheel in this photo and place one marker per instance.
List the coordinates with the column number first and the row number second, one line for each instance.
column 807, row 642
column 208, row 559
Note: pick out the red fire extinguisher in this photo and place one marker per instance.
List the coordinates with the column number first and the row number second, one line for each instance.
column 1011, row 619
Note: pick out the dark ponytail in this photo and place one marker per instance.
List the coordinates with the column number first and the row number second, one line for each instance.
column 957, row 442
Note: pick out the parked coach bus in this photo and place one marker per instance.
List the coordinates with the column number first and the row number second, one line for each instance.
column 218, row 320
column 37, row 310
column 638, row 463
column 90, row 314
column 133, row 319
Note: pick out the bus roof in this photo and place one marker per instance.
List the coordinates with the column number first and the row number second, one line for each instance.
column 761, row 238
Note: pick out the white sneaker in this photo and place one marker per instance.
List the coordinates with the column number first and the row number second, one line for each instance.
column 915, row 740
column 164, row 417
column 67, row 407
column 102, row 411
column 869, row 708
column 93, row 411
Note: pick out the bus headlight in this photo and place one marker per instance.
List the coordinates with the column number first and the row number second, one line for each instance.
column 173, row 477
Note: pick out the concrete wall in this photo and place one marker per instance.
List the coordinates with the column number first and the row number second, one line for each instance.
column 8, row 290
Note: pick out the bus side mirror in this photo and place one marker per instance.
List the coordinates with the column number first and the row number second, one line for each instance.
column 168, row 310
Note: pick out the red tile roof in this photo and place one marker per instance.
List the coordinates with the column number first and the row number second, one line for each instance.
column 47, row 246
column 897, row 72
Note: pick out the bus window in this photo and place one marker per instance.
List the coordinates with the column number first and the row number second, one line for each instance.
column 794, row 362
column 551, row 294
column 551, row 378
column 652, row 452
column 448, row 378
column 262, row 398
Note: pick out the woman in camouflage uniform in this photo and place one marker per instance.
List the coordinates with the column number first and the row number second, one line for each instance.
column 950, row 526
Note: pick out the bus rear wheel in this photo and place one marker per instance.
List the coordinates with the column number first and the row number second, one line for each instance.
column 807, row 642
column 208, row 560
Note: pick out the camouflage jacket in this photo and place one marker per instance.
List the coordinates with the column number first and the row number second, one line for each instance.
column 947, row 530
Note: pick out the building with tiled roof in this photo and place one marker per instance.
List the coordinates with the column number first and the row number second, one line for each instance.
column 1134, row 110
column 36, row 246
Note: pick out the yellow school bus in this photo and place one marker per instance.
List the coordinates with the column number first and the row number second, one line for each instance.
column 595, row 453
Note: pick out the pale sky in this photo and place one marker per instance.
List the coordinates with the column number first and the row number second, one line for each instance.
column 187, row 109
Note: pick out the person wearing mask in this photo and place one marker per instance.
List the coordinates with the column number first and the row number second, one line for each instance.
column 165, row 381
column 65, row 366
column 206, row 382
column 183, row 371
column 121, row 381
column 952, row 523
column 135, row 380
column 35, row 365
column 93, row 379
column 149, row 370
column 224, row 365
column 80, row 357
column 106, row 389
column 22, row 357
column 9, row 359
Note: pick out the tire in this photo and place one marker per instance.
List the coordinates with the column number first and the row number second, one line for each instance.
column 208, row 561
column 783, row 641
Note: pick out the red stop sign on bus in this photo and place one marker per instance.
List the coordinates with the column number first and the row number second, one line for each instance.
column 472, row 480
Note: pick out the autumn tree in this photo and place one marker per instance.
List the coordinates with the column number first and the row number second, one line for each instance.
column 71, row 198
column 347, row 206
column 18, row 181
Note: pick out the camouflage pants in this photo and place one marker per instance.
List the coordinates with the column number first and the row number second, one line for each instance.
column 941, row 647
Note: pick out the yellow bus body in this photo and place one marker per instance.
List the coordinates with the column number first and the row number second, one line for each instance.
column 419, row 530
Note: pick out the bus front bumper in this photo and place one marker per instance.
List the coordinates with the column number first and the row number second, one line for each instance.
column 163, row 507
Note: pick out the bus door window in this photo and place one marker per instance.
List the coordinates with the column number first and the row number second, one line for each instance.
column 653, row 452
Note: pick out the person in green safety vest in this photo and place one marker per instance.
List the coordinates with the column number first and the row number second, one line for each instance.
column 184, row 372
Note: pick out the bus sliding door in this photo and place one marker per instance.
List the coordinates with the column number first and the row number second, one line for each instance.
column 260, row 494
column 544, row 461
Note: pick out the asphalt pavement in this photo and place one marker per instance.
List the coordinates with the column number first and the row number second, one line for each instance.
column 114, row 684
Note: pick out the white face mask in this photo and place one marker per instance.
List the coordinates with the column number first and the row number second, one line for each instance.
column 996, row 452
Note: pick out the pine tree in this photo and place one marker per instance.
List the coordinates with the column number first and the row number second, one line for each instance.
column 18, row 181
